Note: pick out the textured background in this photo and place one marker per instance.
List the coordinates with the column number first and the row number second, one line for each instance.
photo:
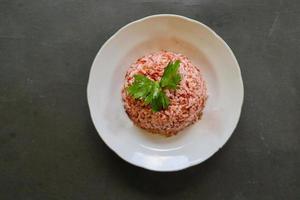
column 49, row 148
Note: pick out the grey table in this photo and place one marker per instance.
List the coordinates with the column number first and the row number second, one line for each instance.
column 49, row 148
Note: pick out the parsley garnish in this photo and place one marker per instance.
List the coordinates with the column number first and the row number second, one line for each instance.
column 151, row 92
column 171, row 77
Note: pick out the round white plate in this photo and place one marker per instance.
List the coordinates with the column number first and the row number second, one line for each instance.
column 205, row 49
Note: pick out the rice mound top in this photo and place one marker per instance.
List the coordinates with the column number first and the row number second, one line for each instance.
column 186, row 102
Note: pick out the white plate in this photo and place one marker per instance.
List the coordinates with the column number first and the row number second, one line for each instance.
column 205, row 49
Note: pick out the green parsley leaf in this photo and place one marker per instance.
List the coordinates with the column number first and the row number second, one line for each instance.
column 161, row 102
column 171, row 77
column 151, row 92
column 146, row 90
column 141, row 87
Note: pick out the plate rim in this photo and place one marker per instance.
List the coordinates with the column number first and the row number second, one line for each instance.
column 240, row 79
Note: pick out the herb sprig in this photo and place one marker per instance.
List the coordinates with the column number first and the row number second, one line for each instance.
column 152, row 92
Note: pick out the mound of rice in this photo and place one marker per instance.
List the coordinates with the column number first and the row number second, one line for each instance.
column 186, row 103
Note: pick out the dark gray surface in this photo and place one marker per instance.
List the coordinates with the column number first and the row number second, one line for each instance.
column 49, row 148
